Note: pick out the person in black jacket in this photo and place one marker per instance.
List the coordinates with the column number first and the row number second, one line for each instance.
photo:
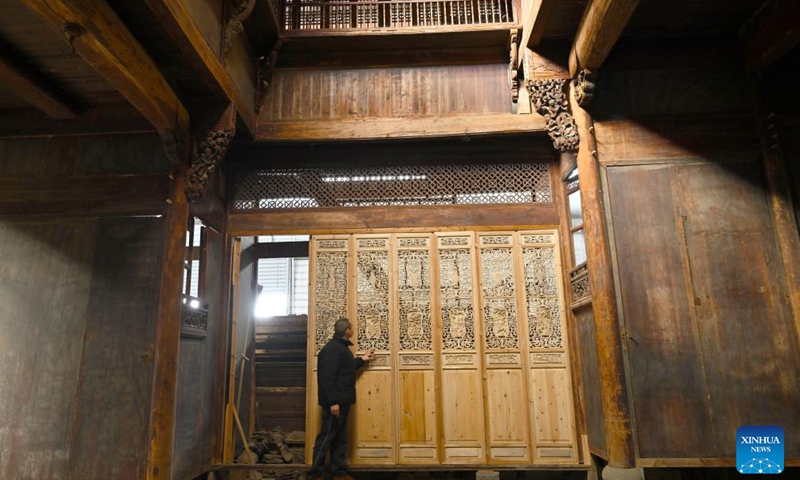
column 336, row 378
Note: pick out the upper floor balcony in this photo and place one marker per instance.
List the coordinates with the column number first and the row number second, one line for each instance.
column 383, row 16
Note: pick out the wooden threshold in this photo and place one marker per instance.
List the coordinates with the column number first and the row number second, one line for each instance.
column 407, row 467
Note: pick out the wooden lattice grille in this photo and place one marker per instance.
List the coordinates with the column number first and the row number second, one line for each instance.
column 390, row 186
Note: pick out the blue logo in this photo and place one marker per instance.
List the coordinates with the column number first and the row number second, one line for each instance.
column 759, row 450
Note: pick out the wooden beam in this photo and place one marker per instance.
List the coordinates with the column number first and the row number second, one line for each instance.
column 771, row 32
column 417, row 218
column 102, row 119
column 104, row 42
column 34, row 92
column 613, row 387
column 94, row 195
column 534, row 23
column 186, row 34
column 401, row 127
column 601, row 26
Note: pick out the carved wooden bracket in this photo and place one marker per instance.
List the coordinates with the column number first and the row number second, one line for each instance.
column 207, row 154
column 584, row 88
column 240, row 11
column 513, row 66
column 551, row 102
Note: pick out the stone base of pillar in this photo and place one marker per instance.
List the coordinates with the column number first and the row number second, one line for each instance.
column 612, row 473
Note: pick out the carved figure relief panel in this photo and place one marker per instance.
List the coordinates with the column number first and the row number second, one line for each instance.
column 499, row 293
column 541, row 292
column 456, row 293
column 373, row 294
column 414, row 295
column 330, row 289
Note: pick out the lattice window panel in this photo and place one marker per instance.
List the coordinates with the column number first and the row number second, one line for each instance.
column 389, row 186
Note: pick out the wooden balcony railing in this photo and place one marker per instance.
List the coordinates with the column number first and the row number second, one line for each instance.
column 392, row 14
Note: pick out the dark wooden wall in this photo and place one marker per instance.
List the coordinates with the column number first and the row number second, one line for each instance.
column 708, row 329
column 79, row 301
column 387, row 92
column 198, row 378
column 587, row 361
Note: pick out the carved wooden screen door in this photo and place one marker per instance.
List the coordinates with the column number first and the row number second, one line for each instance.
column 471, row 364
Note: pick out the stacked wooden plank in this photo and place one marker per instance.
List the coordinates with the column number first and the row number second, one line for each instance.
column 281, row 372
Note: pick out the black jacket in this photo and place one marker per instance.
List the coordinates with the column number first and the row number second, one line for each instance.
column 336, row 373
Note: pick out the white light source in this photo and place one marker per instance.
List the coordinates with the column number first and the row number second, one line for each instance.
column 194, row 304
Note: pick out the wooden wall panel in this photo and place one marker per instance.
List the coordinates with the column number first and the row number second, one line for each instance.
column 737, row 278
column 197, row 361
column 111, row 437
column 665, row 369
column 45, row 280
column 587, row 348
column 390, row 92
column 717, row 269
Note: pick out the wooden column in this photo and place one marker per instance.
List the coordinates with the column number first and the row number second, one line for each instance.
column 168, row 329
column 619, row 436
column 784, row 222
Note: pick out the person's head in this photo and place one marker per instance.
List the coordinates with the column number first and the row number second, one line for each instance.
column 343, row 328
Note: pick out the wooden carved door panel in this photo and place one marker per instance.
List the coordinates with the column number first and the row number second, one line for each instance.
column 462, row 414
column 506, row 403
column 416, row 373
column 471, row 364
column 372, row 436
column 550, row 385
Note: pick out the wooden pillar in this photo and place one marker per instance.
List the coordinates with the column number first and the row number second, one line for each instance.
column 784, row 222
column 168, row 329
column 619, row 436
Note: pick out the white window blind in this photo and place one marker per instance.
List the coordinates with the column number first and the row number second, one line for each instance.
column 284, row 283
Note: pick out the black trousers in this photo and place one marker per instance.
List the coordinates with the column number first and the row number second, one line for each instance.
column 333, row 438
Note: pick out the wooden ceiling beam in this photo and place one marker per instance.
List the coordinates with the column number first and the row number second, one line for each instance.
column 600, row 27
column 773, row 31
column 99, row 36
column 533, row 25
column 186, row 34
column 35, row 92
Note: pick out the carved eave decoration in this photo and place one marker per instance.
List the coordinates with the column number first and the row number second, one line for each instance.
column 584, row 86
column 550, row 101
column 240, row 10
column 207, row 154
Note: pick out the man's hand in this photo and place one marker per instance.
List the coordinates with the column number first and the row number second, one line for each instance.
column 335, row 410
column 368, row 355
